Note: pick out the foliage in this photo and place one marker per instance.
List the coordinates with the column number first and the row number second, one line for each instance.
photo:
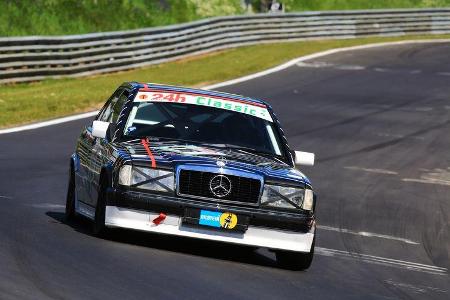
column 60, row 17
column 212, row 8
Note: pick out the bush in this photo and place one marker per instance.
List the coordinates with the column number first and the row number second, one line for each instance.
column 59, row 17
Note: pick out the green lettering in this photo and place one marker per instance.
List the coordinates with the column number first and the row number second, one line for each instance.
column 252, row 112
column 238, row 108
column 217, row 104
column 199, row 100
column 228, row 106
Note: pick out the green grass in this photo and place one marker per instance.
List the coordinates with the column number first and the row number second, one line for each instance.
column 59, row 17
column 301, row 5
column 25, row 103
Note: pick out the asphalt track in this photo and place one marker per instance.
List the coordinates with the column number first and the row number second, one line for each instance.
column 378, row 121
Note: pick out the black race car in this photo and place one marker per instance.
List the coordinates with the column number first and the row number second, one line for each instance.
column 194, row 163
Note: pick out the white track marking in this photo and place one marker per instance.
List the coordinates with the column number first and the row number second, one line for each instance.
column 49, row 123
column 321, row 64
column 406, row 109
column 238, row 80
column 400, row 136
column 427, row 181
column 367, row 234
column 383, row 70
column 5, row 197
column 436, row 176
column 346, row 67
column 350, row 67
column 443, row 73
column 320, row 54
column 315, row 64
column 379, row 171
column 47, row 205
column 414, row 288
column 410, row 266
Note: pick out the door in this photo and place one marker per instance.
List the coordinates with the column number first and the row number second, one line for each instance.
column 84, row 179
column 100, row 155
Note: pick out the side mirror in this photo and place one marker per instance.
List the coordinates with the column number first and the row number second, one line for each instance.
column 304, row 158
column 100, row 129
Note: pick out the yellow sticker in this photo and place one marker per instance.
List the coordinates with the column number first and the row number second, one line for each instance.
column 228, row 220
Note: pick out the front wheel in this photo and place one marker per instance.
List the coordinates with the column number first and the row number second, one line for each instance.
column 295, row 260
column 70, row 198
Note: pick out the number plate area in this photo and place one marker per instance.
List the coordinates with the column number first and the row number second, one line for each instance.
column 219, row 220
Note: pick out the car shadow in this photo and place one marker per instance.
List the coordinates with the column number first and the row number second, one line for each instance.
column 197, row 247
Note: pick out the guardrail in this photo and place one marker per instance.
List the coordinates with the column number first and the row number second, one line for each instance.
column 38, row 57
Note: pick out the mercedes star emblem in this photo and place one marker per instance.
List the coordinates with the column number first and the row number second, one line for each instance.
column 220, row 186
column 221, row 162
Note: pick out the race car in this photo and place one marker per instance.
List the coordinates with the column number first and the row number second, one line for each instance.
column 194, row 163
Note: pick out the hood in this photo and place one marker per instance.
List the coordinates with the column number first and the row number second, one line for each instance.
column 170, row 154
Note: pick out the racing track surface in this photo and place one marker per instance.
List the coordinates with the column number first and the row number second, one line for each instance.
column 378, row 121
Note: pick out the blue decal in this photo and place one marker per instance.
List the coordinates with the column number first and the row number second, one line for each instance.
column 210, row 218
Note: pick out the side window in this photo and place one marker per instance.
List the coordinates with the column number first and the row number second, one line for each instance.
column 117, row 107
column 105, row 114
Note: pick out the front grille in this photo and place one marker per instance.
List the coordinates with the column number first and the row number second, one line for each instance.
column 196, row 183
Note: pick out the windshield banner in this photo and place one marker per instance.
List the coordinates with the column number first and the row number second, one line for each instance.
column 253, row 109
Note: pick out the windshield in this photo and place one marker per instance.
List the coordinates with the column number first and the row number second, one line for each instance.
column 204, row 124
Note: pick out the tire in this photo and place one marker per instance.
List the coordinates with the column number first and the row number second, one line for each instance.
column 295, row 260
column 98, row 227
column 70, row 197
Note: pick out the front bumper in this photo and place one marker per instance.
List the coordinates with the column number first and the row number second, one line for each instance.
column 272, row 230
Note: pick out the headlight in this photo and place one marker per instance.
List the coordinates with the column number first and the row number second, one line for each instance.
column 146, row 178
column 125, row 175
column 308, row 202
column 287, row 197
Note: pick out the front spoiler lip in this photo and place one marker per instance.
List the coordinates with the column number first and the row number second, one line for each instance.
column 172, row 225
column 300, row 222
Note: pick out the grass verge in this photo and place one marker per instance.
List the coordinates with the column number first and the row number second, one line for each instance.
column 25, row 103
column 295, row 5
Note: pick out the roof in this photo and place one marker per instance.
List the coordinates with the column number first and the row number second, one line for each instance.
column 164, row 87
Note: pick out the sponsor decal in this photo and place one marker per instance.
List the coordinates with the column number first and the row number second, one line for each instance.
column 216, row 219
column 210, row 218
column 256, row 110
column 228, row 220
